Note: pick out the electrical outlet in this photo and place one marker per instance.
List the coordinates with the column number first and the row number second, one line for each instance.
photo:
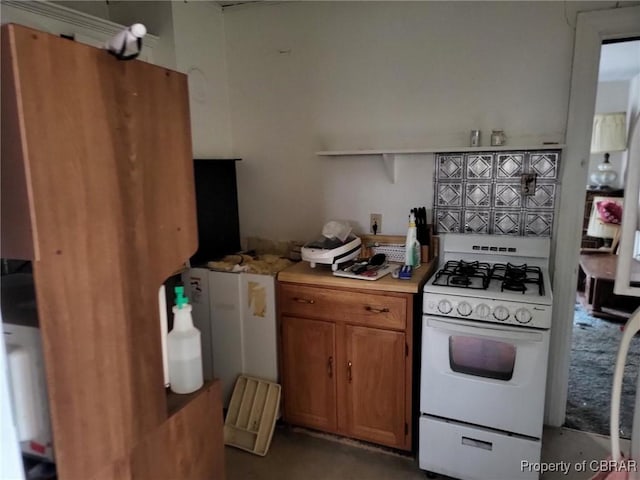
column 528, row 184
column 375, row 223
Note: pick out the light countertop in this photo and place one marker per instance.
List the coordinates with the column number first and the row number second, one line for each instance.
column 321, row 275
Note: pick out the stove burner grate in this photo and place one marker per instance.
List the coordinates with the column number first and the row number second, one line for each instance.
column 476, row 275
column 515, row 278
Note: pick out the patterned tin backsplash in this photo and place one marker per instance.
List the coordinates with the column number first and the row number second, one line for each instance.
column 481, row 192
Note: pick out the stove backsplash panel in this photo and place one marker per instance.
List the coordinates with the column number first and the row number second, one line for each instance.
column 481, row 192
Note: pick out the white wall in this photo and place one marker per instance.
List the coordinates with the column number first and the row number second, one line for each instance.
column 97, row 9
column 611, row 97
column 310, row 76
column 199, row 46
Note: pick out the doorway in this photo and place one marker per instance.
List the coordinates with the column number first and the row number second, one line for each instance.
column 599, row 314
column 591, row 29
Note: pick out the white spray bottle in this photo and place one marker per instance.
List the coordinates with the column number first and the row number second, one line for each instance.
column 184, row 348
column 412, row 246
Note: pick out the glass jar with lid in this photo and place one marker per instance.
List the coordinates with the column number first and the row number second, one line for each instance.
column 498, row 138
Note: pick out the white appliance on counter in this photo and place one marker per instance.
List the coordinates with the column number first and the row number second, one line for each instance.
column 236, row 316
column 331, row 251
column 485, row 343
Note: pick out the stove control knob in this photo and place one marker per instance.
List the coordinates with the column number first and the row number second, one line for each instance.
column 464, row 309
column 444, row 306
column 523, row 315
column 483, row 310
column 501, row 313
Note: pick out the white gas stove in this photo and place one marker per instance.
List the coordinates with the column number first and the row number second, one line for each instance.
column 495, row 279
column 485, row 343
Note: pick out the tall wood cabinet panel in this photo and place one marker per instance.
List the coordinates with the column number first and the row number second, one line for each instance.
column 104, row 195
column 180, row 448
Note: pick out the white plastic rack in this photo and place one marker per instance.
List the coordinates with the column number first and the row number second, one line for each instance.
column 251, row 417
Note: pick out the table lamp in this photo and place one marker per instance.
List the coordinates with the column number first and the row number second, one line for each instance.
column 609, row 135
column 604, row 221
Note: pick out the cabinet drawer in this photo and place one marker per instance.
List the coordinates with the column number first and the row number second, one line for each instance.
column 368, row 309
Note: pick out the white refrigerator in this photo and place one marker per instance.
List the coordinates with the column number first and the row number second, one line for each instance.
column 236, row 316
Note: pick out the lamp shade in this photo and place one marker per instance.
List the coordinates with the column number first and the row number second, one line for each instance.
column 609, row 132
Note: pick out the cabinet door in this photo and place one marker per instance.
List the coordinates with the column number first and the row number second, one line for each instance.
column 375, row 403
column 309, row 386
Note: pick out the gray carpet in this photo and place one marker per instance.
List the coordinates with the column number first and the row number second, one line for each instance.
column 593, row 355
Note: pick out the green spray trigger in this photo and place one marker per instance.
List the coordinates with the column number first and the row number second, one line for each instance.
column 181, row 300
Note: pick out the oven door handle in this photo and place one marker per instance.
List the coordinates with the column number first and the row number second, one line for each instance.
column 487, row 330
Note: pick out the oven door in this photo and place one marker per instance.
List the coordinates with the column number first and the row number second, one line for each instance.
column 484, row 374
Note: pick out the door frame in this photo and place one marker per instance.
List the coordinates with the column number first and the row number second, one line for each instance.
column 591, row 29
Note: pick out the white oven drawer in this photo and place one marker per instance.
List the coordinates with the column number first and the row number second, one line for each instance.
column 467, row 453
column 484, row 374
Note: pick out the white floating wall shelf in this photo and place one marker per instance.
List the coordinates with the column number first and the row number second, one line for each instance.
column 389, row 156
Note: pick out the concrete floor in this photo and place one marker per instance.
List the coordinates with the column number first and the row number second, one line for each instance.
column 298, row 454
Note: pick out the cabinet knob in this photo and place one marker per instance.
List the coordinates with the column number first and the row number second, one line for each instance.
column 330, row 367
column 349, row 370
column 304, row 300
column 369, row 308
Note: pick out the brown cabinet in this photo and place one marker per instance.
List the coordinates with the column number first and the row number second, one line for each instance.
column 346, row 358
column 97, row 192
column 375, row 400
column 309, row 374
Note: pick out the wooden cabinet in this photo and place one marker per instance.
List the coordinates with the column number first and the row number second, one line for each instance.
column 375, row 394
column 97, row 191
column 309, row 374
column 347, row 354
column 372, row 382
